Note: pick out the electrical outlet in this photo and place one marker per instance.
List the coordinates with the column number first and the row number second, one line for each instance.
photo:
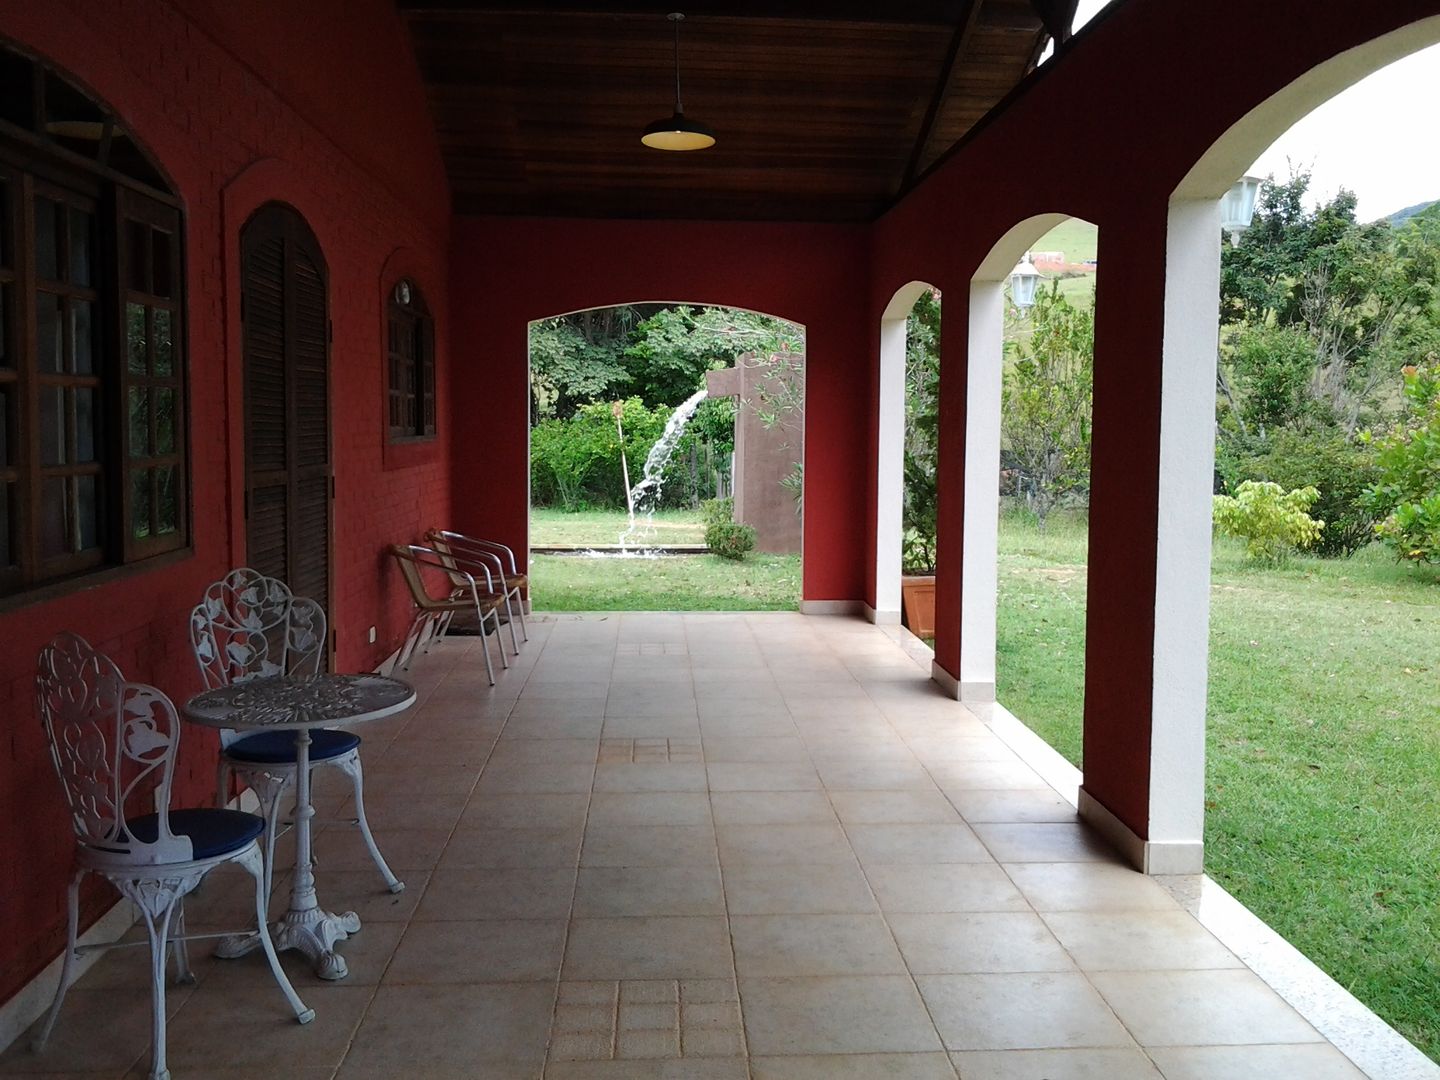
column 372, row 635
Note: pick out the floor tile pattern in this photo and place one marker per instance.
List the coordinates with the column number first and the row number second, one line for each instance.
column 707, row 846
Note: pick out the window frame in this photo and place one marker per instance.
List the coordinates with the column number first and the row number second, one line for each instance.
column 33, row 166
column 409, row 319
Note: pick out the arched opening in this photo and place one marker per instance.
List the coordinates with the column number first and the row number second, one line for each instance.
column 1313, row 783
column 890, row 466
column 667, row 458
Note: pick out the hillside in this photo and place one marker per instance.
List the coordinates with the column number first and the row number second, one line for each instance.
column 1401, row 216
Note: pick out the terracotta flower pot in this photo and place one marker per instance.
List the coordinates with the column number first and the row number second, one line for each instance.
column 917, row 604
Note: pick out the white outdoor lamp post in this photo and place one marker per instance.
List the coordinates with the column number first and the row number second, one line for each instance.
column 1237, row 206
column 1023, row 281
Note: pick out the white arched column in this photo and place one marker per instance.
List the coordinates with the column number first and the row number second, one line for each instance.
column 1175, row 837
column 979, row 583
column 890, row 454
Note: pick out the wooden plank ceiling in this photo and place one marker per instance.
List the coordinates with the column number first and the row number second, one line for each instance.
column 823, row 111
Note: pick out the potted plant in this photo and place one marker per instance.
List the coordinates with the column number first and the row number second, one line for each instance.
column 917, row 583
column 917, row 548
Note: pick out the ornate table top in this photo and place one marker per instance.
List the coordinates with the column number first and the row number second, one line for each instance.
column 284, row 702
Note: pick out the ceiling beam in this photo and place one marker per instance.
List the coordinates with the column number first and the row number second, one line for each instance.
column 911, row 12
column 965, row 26
column 1058, row 16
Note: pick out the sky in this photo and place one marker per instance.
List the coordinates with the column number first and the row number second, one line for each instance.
column 1372, row 138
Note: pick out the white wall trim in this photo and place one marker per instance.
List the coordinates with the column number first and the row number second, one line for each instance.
column 882, row 617
column 979, row 570
column 832, row 607
column 1147, row 856
column 947, row 682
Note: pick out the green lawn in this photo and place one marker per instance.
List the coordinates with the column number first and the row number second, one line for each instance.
column 1323, row 771
column 674, row 583
column 605, row 526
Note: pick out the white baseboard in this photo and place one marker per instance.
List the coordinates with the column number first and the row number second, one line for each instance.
column 947, row 682
column 1147, row 856
column 832, row 607
column 882, row 618
column 981, row 692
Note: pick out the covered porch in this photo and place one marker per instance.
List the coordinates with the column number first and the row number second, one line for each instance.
column 728, row 846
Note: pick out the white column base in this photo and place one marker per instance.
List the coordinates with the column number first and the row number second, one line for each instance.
column 882, row 617
column 1147, row 856
column 832, row 607
column 979, row 692
column 947, row 682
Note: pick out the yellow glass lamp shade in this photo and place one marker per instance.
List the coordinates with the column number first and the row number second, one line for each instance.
column 677, row 133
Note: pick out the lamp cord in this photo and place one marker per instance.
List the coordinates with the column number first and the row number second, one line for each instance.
column 676, row 18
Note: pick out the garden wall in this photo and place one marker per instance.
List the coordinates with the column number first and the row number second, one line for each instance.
column 241, row 104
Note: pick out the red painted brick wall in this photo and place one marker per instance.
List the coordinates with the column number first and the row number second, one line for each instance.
column 319, row 105
column 508, row 272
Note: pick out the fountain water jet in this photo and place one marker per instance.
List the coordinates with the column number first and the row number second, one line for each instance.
column 645, row 496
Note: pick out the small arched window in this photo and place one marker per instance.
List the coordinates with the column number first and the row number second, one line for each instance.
column 412, row 365
column 93, row 469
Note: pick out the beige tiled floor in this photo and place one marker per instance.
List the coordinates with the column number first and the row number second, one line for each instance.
column 710, row 846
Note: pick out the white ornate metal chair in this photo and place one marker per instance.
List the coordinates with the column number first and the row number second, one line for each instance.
column 433, row 614
column 248, row 626
column 467, row 553
column 114, row 745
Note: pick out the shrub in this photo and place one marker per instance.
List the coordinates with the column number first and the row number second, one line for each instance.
column 1342, row 471
column 717, row 512
column 575, row 463
column 917, row 553
column 1408, row 491
column 1272, row 521
column 729, row 539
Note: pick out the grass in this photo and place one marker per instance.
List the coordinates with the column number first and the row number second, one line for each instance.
column 605, row 526
column 759, row 582
column 1323, row 746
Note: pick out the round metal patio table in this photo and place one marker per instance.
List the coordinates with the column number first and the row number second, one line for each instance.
column 272, row 702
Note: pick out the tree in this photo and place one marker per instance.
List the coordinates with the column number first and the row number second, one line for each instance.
column 922, row 428
column 1408, row 493
column 1047, row 402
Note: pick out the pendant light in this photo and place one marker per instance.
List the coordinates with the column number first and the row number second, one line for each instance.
column 677, row 132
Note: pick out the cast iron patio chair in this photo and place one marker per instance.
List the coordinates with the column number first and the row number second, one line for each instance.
column 114, row 744
column 433, row 614
column 249, row 625
column 463, row 553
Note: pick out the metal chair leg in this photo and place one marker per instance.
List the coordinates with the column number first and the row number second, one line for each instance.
column 159, row 935
column 250, row 863
column 520, row 610
column 485, row 650
column 179, row 947
column 353, row 770
column 510, row 620
column 67, row 970
column 499, row 643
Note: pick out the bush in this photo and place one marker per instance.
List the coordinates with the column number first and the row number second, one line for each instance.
column 717, row 512
column 1407, row 494
column 1342, row 471
column 575, row 463
column 1272, row 521
column 729, row 539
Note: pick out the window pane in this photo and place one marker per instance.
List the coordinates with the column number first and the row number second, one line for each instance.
column 47, row 237
column 168, row 500
column 127, row 158
column 82, row 334
column 140, row 503
column 140, row 422
column 50, row 342
column 137, row 255
column 17, row 90
column 71, row 118
column 82, row 246
column 6, row 558
column 139, row 361
column 84, row 424
column 53, row 540
column 52, row 425
column 164, row 420
column 87, row 509
column 160, row 264
column 164, row 347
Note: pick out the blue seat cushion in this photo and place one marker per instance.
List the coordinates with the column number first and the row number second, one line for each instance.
column 278, row 747
column 211, row 832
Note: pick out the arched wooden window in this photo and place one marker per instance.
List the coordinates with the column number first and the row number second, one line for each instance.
column 93, row 470
column 411, row 350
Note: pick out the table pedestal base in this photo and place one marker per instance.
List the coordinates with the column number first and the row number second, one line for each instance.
column 314, row 932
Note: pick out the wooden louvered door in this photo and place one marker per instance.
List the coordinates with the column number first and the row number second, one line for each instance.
column 285, row 315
